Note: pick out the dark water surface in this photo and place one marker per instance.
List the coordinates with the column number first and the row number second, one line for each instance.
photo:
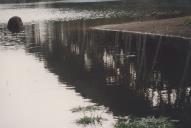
column 58, row 63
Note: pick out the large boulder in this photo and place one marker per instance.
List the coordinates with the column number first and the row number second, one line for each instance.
column 15, row 24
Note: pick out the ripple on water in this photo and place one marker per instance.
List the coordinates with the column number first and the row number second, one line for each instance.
column 58, row 14
column 10, row 40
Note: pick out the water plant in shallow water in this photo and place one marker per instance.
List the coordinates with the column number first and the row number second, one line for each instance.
column 86, row 109
column 148, row 122
column 90, row 120
column 90, row 115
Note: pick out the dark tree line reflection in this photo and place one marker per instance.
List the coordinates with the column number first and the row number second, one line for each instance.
column 129, row 73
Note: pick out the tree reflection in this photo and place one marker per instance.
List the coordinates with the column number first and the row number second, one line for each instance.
column 122, row 71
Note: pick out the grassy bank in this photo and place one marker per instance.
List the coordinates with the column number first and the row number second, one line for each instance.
column 180, row 27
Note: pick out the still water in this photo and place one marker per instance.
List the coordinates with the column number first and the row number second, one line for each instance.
column 58, row 63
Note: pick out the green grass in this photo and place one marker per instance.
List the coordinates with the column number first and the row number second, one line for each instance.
column 187, row 22
column 149, row 122
column 86, row 120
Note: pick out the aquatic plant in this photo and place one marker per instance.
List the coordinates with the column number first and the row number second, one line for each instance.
column 93, row 119
column 86, row 109
column 149, row 122
column 88, row 120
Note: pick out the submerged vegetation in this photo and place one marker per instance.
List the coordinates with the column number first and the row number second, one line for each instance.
column 148, row 122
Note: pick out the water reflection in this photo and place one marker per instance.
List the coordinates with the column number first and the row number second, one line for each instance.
column 128, row 73
column 120, row 71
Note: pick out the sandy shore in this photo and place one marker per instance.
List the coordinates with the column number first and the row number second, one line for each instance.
column 177, row 27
